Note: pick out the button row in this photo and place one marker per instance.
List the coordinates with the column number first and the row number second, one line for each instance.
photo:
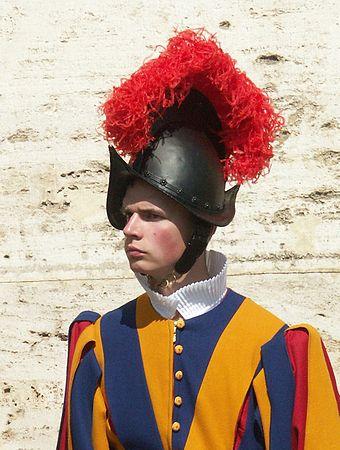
column 180, row 323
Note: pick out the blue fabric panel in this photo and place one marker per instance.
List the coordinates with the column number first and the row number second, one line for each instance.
column 86, row 316
column 84, row 385
column 253, row 438
column 198, row 338
column 126, row 388
column 281, row 390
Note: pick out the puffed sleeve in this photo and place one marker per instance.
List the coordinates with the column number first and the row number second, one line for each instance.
column 85, row 423
column 76, row 330
column 315, row 421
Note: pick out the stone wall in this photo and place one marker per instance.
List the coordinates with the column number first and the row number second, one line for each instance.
column 58, row 253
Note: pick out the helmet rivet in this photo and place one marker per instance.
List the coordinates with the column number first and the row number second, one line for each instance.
column 179, row 191
column 163, row 182
column 206, row 205
column 194, row 199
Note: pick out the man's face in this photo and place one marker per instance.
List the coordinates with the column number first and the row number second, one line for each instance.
column 156, row 230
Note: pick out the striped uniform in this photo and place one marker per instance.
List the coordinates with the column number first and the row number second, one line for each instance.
column 236, row 378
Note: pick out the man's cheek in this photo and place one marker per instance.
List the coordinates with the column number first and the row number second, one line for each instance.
column 168, row 244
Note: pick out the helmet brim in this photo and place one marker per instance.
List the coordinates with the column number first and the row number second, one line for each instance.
column 121, row 174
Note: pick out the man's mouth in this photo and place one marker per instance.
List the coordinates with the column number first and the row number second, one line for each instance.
column 134, row 251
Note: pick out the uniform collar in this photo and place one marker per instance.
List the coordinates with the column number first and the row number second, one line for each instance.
column 196, row 298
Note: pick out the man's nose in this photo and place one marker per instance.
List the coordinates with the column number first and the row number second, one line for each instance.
column 132, row 227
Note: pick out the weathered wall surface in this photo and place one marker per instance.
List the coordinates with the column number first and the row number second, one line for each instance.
column 58, row 254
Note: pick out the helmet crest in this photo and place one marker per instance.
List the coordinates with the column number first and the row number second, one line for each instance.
column 194, row 60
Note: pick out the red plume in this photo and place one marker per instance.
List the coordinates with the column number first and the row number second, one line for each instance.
column 194, row 59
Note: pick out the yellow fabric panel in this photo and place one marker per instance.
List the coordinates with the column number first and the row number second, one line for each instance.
column 99, row 437
column 260, row 388
column 87, row 336
column 229, row 375
column 322, row 422
column 155, row 337
column 98, row 350
column 113, row 438
column 102, row 435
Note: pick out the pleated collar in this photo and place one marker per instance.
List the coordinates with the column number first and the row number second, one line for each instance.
column 196, row 298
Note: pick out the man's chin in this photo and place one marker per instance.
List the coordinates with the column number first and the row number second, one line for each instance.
column 139, row 266
column 157, row 275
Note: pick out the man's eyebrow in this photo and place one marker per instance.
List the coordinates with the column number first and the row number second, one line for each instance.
column 126, row 209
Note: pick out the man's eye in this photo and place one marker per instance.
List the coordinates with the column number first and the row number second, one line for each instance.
column 151, row 216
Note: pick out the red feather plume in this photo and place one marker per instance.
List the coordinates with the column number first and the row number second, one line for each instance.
column 194, row 59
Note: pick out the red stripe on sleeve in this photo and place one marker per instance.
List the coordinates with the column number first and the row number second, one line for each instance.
column 297, row 347
column 241, row 423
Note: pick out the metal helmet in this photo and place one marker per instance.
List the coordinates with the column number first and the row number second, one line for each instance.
column 182, row 162
column 189, row 120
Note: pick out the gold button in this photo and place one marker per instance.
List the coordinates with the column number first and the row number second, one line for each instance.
column 178, row 401
column 179, row 375
column 176, row 426
column 180, row 323
column 178, row 349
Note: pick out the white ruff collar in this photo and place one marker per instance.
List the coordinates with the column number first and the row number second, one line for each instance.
column 196, row 298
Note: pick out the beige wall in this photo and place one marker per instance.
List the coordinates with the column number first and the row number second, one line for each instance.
column 58, row 253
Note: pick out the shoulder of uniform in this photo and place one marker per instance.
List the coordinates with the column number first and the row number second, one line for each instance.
column 305, row 327
column 82, row 329
column 299, row 335
column 89, row 316
column 264, row 312
column 295, row 337
column 260, row 324
column 265, row 322
column 92, row 322
column 122, row 311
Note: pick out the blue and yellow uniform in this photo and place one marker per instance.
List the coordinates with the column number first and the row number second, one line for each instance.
column 227, row 379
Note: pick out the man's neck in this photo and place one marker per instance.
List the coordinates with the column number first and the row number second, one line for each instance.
column 198, row 272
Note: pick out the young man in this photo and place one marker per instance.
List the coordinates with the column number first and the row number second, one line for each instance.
column 191, row 364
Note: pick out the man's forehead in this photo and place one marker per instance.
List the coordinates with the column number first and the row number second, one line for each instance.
column 140, row 191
